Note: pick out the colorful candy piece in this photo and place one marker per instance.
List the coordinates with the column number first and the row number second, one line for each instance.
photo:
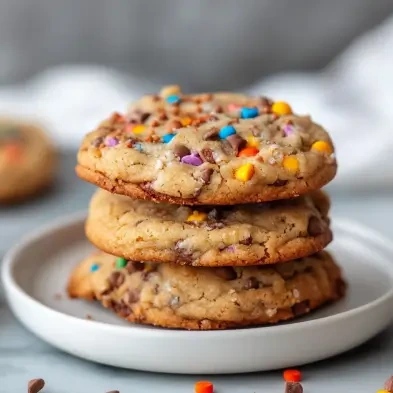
column 249, row 113
column 252, row 142
column 192, row 159
column 111, row 141
column 185, row 121
column 226, row 131
column 121, row 262
column 170, row 90
column 94, row 267
column 281, row 108
column 173, row 99
column 245, row 172
column 167, row 137
column 292, row 375
column 233, row 107
column 322, row 147
column 288, row 129
column 383, row 391
column 291, row 164
column 197, row 216
column 248, row 152
column 204, row 387
column 138, row 129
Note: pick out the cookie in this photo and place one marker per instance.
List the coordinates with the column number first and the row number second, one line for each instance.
column 187, row 297
column 249, row 234
column 27, row 160
column 219, row 149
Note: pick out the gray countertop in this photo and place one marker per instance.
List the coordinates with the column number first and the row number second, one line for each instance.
column 23, row 356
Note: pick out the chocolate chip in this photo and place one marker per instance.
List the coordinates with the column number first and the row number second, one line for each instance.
column 122, row 309
column 301, row 308
column 293, row 387
column 144, row 116
column 218, row 109
column 251, row 283
column 35, row 385
column 97, row 142
column 315, row 226
column 206, row 175
column 237, row 142
column 214, row 225
column 113, row 391
column 162, row 117
column 279, row 183
column 389, row 384
column 174, row 125
column 131, row 296
column 227, row 147
column 341, row 287
column 116, row 279
column 211, row 134
column 247, row 241
column 227, row 273
column 133, row 267
column 207, row 155
column 181, row 150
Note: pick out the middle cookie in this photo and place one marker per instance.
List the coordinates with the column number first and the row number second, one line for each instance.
column 252, row 234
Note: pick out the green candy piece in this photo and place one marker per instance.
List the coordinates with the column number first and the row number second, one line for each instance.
column 121, row 262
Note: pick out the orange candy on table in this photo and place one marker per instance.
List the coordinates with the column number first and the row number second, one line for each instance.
column 292, row 375
column 204, row 387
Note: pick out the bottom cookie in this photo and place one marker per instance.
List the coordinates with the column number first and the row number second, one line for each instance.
column 199, row 298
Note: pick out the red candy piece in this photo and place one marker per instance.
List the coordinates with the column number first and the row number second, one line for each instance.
column 292, row 375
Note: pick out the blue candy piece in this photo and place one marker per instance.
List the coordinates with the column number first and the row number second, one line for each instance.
column 94, row 267
column 167, row 137
column 249, row 113
column 138, row 147
column 226, row 131
column 173, row 99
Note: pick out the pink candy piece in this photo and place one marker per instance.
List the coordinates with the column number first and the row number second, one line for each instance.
column 111, row 141
column 233, row 107
column 288, row 129
column 192, row 159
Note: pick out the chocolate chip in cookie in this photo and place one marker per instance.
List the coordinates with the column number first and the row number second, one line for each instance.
column 116, row 279
column 301, row 308
column 251, row 283
column 227, row 273
column 207, row 155
column 181, row 150
column 315, row 226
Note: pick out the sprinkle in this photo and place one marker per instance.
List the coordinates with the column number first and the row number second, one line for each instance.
column 167, row 137
column 197, row 216
column 249, row 113
column 170, row 90
column 111, row 141
column 322, row 147
column 137, row 146
column 291, row 164
column 121, row 262
column 288, row 129
column 245, row 172
column 226, row 131
column 248, row 152
column 203, row 387
column 281, row 108
column 252, row 142
column 186, row 121
column 192, row 159
column 138, row 129
column 292, row 375
column 94, row 267
column 173, row 99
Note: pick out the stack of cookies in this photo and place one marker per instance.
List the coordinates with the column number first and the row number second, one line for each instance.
column 209, row 214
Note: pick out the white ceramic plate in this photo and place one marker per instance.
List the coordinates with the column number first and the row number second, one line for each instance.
column 35, row 272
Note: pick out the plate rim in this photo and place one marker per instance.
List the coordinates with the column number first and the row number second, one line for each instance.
column 11, row 285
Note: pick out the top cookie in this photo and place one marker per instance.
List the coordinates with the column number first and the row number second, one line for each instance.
column 27, row 160
column 220, row 148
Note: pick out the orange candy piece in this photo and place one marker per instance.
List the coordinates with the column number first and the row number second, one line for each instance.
column 248, row 152
column 292, row 375
column 204, row 387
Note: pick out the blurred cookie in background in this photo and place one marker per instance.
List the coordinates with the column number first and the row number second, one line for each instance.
column 27, row 160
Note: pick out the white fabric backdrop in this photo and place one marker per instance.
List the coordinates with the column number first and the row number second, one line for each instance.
column 352, row 98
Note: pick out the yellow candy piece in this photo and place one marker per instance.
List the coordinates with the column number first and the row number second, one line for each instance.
column 281, row 108
column 171, row 90
column 197, row 216
column 252, row 142
column 138, row 129
column 383, row 391
column 291, row 164
column 245, row 172
column 323, row 147
column 186, row 121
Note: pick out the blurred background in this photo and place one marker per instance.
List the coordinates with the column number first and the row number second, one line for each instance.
column 71, row 63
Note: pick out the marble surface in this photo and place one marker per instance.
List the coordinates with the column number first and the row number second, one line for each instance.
column 23, row 356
